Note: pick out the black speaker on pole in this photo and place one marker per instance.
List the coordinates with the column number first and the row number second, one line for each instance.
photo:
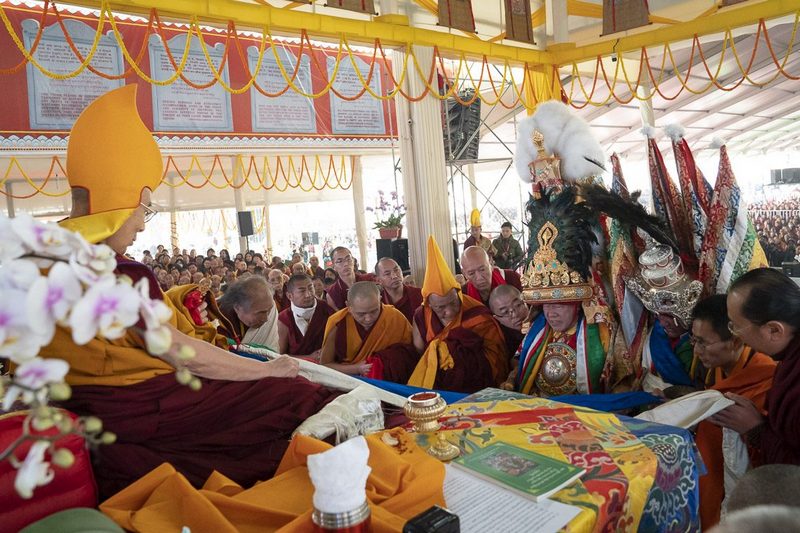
column 245, row 223
column 400, row 254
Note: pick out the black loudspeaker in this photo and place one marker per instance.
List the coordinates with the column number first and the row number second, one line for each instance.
column 383, row 247
column 791, row 175
column 400, row 254
column 461, row 139
column 397, row 249
column 245, row 223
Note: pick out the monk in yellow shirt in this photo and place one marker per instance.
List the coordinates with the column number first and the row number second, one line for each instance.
column 369, row 338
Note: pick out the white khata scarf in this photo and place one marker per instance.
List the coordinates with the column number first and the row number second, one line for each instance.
column 302, row 316
column 266, row 334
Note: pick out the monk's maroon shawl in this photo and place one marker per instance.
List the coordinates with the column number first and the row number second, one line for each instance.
column 780, row 438
column 472, row 371
column 239, row 428
column 408, row 304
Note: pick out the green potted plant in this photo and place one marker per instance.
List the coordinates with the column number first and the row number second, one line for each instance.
column 389, row 215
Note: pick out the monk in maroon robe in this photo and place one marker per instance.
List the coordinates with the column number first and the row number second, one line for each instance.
column 482, row 278
column 462, row 346
column 404, row 298
column 346, row 274
column 276, row 279
column 301, row 328
column 764, row 311
column 369, row 338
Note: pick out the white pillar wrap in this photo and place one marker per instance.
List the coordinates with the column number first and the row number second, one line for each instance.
column 423, row 166
column 357, row 188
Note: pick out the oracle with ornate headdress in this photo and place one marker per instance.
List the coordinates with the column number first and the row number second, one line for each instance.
column 566, row 348
column 570, row 217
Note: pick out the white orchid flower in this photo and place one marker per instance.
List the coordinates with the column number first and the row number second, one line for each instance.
column 51, row 298
column 11, row 246
column 17, row 341
column 34, row 471
column 158, row 340
column 18, row 274
column 31, row 379
column 93, row 263
column 49, row 239
column 107, row 309
column 156, row 314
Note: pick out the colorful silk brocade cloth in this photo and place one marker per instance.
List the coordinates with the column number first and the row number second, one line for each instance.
column 639, row 476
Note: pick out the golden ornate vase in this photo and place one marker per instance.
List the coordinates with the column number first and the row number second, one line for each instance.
column 424, row 410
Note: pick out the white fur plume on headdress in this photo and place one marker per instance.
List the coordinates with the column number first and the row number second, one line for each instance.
column 717, row 143
column 649, row 131
column 566, row 135
column 676, row 132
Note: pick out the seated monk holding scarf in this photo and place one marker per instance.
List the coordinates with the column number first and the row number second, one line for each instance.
column 462, row 346
column 240, row 421
column 369, row 338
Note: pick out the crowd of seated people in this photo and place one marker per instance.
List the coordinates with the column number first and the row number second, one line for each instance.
column 777, row 224
column 220, row 269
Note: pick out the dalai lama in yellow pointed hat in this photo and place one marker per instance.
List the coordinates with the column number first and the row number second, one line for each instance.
column 113, row 157
column 438, row 278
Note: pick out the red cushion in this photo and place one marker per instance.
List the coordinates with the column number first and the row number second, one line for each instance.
column 71, row 487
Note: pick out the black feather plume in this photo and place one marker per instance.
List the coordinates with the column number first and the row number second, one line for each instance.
column 627, row 212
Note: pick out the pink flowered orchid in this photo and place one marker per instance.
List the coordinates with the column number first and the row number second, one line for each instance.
column 155, row 314
column 17, row 341
column 93, row 263
column 52, row 277
column 47, row 239
column 11, row 246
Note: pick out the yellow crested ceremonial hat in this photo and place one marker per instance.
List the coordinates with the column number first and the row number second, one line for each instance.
column 113, row 156
column 438, row 278
column 475, row 218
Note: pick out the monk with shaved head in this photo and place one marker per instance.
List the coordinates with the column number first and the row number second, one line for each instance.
column 389, row 276
column 369, row 338
column 482, row 277
column 301, row 326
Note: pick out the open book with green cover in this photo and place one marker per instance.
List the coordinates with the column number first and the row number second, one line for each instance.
column 525, row 472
